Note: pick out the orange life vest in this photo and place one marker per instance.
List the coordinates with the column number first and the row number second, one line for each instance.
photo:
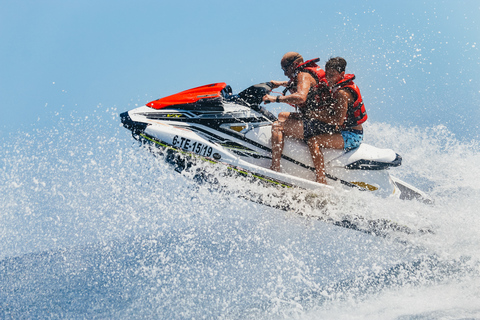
column 356, row 113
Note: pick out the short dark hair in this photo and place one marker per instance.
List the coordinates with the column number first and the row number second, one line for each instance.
column 336, row 63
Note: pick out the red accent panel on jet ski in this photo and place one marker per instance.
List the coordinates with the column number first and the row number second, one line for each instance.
column 189, row 96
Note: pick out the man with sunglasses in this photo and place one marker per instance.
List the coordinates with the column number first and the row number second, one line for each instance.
column 305, row 83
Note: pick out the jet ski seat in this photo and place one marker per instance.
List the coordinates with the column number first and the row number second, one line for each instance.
column 367, row 157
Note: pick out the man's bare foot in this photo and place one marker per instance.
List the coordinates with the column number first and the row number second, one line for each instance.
column 277, row 168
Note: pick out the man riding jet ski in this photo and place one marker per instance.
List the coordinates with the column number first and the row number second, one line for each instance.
column 212, row 123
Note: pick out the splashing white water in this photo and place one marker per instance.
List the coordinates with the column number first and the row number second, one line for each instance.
column 84, row 184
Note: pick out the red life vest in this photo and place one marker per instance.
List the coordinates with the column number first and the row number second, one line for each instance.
column 311, row 67
column 356, row 113
column 318, row 96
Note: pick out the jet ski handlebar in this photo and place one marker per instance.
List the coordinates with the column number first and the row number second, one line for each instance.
column 253, row 95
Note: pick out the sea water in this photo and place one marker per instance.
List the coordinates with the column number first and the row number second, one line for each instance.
column 93, row 225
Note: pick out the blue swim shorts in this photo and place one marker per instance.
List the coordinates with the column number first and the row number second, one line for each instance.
column 352, row 139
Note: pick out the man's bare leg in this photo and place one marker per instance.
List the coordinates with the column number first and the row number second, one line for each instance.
column 277, row 145
column 278, row 141
column 318, row 161
column 288, row 125
column 334, row 141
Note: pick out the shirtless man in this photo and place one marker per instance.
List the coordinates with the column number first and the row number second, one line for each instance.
column 304, row 78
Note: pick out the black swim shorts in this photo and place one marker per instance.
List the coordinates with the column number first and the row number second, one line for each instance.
column 313, row 127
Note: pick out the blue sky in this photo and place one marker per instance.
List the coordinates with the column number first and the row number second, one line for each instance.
column 417, row 62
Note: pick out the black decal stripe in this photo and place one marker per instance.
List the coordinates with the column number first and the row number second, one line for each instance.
column 213, row 122
column 250, row 155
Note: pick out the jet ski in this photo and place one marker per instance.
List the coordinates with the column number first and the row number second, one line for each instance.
column 211, row 123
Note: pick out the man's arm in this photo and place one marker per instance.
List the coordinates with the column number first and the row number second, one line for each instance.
column 277, row 84
column 304, row 82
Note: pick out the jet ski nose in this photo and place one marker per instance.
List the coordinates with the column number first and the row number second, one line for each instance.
column 126, row 120
column 135, row 127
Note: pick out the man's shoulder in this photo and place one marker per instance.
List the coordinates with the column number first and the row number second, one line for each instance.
column 305, row 76
column 345, row 93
